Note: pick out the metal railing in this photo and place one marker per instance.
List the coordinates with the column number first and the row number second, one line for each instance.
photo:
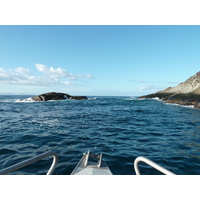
column 32, row 160
column 152, row 164
column 55, row 160
column 91, row 155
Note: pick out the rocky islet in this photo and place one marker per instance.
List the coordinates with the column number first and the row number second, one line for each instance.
column 56, row 96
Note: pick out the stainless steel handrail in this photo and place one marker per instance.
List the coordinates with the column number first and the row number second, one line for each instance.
column 33, row 160
column 152, row 164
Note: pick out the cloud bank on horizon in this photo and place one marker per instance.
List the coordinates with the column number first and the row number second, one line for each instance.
column 50, row 76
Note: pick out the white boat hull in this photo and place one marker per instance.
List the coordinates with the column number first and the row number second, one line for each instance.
column 88, row 166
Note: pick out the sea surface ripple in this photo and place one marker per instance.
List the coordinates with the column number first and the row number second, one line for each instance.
column 122, row 128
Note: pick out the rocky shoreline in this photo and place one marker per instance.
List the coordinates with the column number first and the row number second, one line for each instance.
column 189, row 99
column 186, row 93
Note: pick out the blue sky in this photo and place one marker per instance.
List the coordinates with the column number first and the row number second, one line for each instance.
column 97, row 60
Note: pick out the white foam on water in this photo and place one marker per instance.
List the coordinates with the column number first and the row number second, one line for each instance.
column 25, row 100
column 186, row 106
column 156, row 98
column 92, row 98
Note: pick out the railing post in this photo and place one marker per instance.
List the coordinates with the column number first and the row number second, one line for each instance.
column 53, row 166
column 152, row 164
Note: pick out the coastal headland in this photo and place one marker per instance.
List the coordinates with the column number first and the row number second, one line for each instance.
column 186, row 93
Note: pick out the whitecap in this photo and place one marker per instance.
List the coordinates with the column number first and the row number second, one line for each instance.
column 25, row 100
column 175, row 104
column 156, row 98
column 92, row 98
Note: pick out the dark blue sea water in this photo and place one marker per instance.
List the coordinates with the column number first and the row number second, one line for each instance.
column 122, row 128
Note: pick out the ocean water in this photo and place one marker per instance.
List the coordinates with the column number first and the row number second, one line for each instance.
column 122, row 128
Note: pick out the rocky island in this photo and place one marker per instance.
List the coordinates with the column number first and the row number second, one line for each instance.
column 56, row 96
column 186, row 93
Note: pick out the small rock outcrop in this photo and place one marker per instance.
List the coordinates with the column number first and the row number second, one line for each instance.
column 56, row 96
column 186, row 93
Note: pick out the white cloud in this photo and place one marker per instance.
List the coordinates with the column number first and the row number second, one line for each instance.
column 22, row 76
column 173, row 82
column 52, row 76
column 85, row 75
column 23, row 71
column 60, row 73
column 9, row 75
column 55, row 73
column 149, row 88
column 89, row 76
column 155, row 82
column 66, row 83
column 4, row 74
